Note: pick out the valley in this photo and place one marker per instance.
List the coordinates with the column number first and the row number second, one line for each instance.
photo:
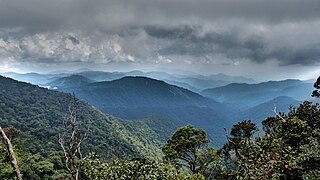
column 136, row 95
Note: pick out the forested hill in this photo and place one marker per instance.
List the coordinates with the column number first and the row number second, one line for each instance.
column 148, row 92
column 39, row 113
column 136, row 97
column 250, row 95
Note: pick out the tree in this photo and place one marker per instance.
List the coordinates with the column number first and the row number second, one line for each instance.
column 242, row 130
column 316, row 93
column 184, row 145
column 72, row 149
column 289, row 149
column 10, row 151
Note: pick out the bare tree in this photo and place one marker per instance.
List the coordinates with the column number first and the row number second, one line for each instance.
column 9, row 148
column 70, row 140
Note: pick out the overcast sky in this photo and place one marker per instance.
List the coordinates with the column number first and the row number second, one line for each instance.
column 263, row 39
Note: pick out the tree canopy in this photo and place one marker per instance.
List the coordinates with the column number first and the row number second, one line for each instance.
column 184, row 146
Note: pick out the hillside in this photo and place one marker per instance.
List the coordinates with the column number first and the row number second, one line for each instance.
column 34, row 78
column 38, row 113
column 139, row 97
column 249, row 95
column 133, row 92
column 260, row 112
column 152, row 129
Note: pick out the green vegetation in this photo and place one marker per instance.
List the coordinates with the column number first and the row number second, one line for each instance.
column 184, row 146
column 138, row 97
column 287, row 146
column 288, row 149
column 39, row 113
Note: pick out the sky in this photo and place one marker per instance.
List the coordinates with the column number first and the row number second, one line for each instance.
column 260, row 39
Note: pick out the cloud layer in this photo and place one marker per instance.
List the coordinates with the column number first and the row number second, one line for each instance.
column 177, row 32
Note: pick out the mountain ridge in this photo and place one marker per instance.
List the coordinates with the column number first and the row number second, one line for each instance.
column 39, row 113
column 70, row 81
column 136, row 97
column 249, row 95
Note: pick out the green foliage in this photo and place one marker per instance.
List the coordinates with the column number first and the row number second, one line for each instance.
column 289, row 149
column 6, row 170
column 184, row 145
column 152, row 132
column 210, row 163
column 241, row 131
column 316, row 93
column 35, row 166
column 39, row 113
column 140, row 168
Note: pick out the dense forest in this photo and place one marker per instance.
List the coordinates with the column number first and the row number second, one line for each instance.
column 36, row 115
column 57, row 136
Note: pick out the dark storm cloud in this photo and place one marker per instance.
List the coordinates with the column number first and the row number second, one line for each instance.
column 144, row 29
column 189, row 40
column 114, row 13
column 186, row 40
column 304, row 56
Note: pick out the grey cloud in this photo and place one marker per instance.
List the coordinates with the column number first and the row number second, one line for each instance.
column 63, row 47
column 190, row 41
column 304, row 56
column 142, row 30
column 108, row 14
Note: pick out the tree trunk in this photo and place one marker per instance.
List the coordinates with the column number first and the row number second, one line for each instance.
column 14, row 161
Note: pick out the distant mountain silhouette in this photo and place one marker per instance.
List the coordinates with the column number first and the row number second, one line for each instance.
column 249, row 95
column 33, row 78
column 101, row 75
column 70, row 81
column 262, row 111
column 194, row 82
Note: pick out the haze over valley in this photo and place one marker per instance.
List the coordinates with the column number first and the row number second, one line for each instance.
column 209, row 102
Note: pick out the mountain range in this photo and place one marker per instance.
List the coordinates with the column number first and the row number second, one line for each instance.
column 39, row 114
column 176, row 99
column 250, row 95
column 138, row 97
column 194, row 82
column 270, row 108
column 70, row 81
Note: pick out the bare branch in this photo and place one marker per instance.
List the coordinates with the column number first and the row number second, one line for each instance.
column 64, row 151
column 275, row 111
column 228, row 138
column 72, row 150
column 232, row 142
column 14, row 161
